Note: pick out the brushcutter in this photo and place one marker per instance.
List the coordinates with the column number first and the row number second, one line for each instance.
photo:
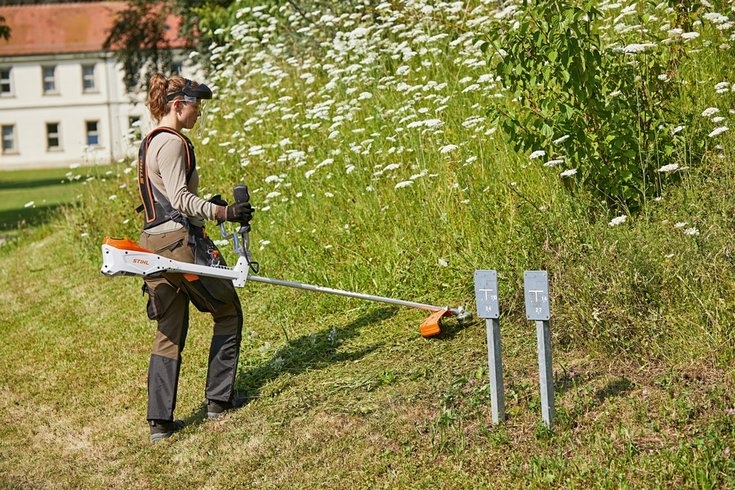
column 124, row 257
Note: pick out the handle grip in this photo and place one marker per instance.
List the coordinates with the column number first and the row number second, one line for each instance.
column 242, row 196
column 241, row 193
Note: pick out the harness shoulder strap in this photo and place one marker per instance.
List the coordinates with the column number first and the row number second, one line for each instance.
column 156, row 205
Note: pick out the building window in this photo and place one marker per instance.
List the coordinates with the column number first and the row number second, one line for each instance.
column 6, row 87
column 49, row 80
column 8, row 141
column 53, row 141
column 88, row 81
column 93, row 135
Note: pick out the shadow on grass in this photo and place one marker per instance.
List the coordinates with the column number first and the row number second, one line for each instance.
column 31, row 184
column 450, row 327
column 306, row 353
column 313, row 351
column 586, row 400
column 14, row 219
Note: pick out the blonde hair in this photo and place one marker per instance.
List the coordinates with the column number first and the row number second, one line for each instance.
column 158, row 88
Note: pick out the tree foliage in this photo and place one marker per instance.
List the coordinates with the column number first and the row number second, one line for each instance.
column 137, row 37
column 138, row 34
column 606, row 112
column 4, row 29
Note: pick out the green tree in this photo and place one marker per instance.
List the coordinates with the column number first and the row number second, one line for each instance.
column 138, row 34
column 4, row 29
column 137, row 37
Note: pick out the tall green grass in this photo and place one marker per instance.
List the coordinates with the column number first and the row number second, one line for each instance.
column 374, row 168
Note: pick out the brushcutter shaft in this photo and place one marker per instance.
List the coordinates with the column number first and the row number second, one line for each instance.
column 310, row 287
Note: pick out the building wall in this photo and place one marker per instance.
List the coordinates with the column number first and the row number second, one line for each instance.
column 29, row 109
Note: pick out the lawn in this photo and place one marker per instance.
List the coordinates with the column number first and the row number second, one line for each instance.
column 29, row 197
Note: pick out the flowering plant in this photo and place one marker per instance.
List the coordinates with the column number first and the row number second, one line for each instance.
column 606, row 110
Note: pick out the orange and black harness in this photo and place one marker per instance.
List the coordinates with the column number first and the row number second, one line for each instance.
column 156, row 205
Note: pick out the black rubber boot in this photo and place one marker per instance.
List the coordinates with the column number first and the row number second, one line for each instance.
column 161, row 429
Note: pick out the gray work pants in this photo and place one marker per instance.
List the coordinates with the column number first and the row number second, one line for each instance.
column 168, row 304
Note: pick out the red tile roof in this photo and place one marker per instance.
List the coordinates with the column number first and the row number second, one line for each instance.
column 65, row 28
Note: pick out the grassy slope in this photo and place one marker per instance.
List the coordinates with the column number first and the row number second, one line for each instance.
column 346, row 394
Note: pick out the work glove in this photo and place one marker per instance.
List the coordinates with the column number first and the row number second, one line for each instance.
column 218, row 200
column 240, row 212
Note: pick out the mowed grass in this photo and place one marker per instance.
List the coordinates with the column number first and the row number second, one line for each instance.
column 349, row 397
column 399, row 189
column 29, row 198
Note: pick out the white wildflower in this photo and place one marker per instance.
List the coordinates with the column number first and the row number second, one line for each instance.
column 718, row 131
column 442, row 262
column 715, row 18
column 405, row 183
column 710, row 111
column 637, row 48
column 29, row 204
column 691, row 231
column 722, row 87
column 112, row 197
column 677, row 129
column 671, row 167
column 554, row 163
column 537, row 154
column 690, row 35
column 680, row 224
column 569, row 173
column 561, row 140
column 618, row 220
column 447, row 148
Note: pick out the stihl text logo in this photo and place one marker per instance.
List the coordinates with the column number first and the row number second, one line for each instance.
column 140, row 261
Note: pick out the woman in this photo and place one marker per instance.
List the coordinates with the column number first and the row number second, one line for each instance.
column 174, row 227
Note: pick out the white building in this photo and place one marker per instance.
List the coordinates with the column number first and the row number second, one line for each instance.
column 62, row 98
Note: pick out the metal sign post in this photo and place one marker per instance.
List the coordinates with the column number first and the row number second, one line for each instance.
column 536, row 288
column 486, row 295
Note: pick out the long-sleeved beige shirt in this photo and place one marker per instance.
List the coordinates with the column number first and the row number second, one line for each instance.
column 166, row 166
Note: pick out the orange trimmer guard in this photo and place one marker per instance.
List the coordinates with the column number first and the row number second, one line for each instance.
column 430, row 327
